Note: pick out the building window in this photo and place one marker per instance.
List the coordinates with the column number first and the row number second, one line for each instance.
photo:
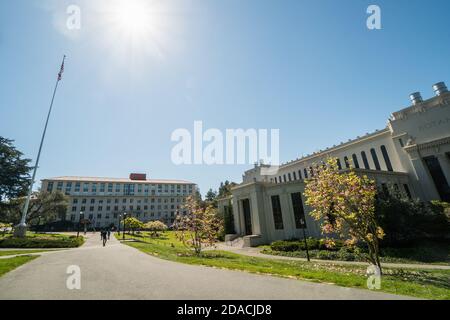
column 440, row 182
column 74, row 209
column 299, row 212
column 295, row 175
column 276, row 181
column 385, row 189
column 277, row 214
column 355, row 161
column 386, row 158
column 50, row 187
column 300, row 174
column 289, row 177
column 407, row 191
column 306, row 173
column 347, row 163
column 366, row 163
column 68, row 188
column 375, row 159
column 284, row 178
column 338, row 161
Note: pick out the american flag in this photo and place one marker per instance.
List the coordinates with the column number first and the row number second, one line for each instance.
column 62, row 70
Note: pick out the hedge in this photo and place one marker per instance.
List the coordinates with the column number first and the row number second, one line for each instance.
column 299, row 245
column 36, row 242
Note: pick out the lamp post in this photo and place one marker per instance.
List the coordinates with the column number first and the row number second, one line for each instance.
column 303, row 223
column 79, row 221
column 118, row 227
column 123, row 231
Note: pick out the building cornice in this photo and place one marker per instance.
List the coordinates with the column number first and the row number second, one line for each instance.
column 427, row 145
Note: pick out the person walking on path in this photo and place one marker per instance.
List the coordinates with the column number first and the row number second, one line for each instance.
column 104, row 237
column 109, row 233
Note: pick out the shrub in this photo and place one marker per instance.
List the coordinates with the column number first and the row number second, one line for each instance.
column 406, row 222
column 42, row 242
column 299, row 245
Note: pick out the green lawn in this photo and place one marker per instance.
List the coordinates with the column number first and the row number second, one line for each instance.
column 41, row 240
column 429, row 284
column 7, row 265
column 14, row 252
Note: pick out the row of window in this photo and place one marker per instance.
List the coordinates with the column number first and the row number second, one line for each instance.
column 297, row 205
column 126, row 189
column 131, row 200
column 124, row 208
column 115, row 216
column 300, row 175
column 299, row 212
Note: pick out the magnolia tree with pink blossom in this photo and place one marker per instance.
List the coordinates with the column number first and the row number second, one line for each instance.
column 345, row 203
column 199, row 227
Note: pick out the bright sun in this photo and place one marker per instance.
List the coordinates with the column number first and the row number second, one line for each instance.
column 133, row 16
column 138, row 27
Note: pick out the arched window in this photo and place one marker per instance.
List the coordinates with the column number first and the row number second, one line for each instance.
column 300, row 174
column 347, row 164
column 375, row 159
column 355, row 161
column 386, row 158
column 338, row 161
column 295, row 175
column 306, row 173
column 366, row 163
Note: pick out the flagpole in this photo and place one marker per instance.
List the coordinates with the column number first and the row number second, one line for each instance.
column 21, row 229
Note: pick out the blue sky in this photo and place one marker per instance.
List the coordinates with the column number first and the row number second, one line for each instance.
column 309, row 68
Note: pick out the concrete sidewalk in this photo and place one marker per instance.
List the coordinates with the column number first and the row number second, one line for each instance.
column 118, row 271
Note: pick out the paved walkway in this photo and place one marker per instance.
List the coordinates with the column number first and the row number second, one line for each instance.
column 118, row 271
column 256, row 252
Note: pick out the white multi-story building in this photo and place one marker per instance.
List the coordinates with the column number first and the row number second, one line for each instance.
column 103, row 200
column 411, row 156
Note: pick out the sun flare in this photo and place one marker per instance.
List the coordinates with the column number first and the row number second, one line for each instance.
column 139, row 28
column 133, row 16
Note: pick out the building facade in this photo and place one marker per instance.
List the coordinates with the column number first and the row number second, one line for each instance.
column 103, row 200
column 410, row 156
